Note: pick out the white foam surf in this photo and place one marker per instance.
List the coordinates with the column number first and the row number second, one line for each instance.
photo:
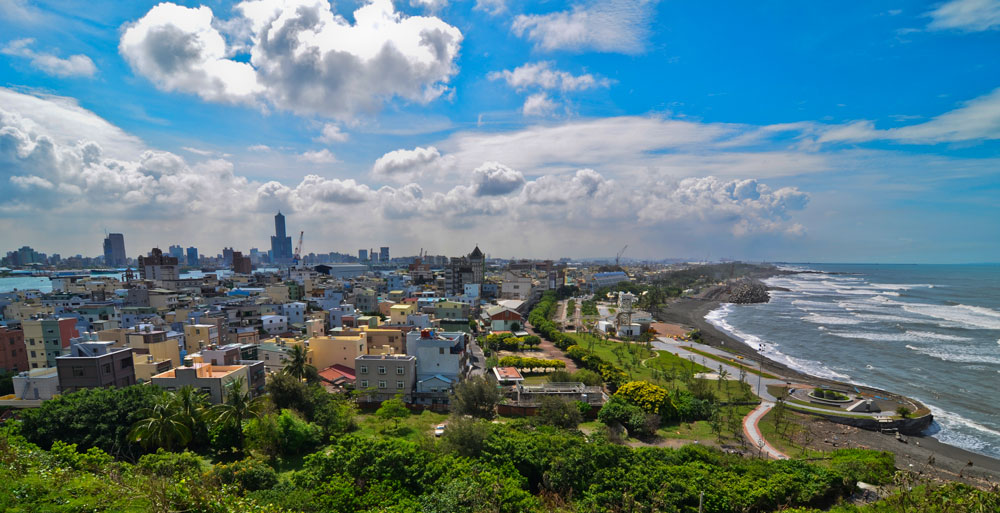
column 974, row 317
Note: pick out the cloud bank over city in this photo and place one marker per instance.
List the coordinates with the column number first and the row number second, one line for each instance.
column 570, row 133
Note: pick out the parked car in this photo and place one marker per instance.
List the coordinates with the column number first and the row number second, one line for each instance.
column 439, row 430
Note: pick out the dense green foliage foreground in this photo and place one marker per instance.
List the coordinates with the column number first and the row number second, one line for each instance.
column 478, row 466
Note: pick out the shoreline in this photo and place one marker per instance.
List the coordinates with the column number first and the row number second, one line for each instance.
column 949, row 462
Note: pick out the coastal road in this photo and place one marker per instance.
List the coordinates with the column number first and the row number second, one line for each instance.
column 757, row 384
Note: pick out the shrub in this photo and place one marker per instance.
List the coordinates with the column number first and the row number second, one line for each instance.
column 554, row 411
column 171, row 464
column 249, row 474
column 872, row 467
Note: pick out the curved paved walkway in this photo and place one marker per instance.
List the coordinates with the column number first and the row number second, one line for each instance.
column 750, row 428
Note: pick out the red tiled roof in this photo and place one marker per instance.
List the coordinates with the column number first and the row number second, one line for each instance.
column 337, row 374
column 507, row 373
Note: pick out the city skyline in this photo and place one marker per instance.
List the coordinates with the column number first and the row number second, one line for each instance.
column 763, row 132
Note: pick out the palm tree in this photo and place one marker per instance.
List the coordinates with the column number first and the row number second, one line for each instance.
column 190, row 405
column 297, row 363
column 238, row 406
column 161, row 426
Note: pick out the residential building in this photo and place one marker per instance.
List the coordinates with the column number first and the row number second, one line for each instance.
column 366, row 300
column 205, row 377
column 515, row 286
column 93, row 364
column 200, row 336
column 383, row 255
column 13, row 353
column 384, row 376
column 451, row 311
column 46, row 338
column 441, row 362
column 114, row 250
column 338, row 350
column 36, row 384
column 398, row 313
column 294, row 311
column 146, row 366
column 501, row 318
column 158, row 266
column 242, row 264
column 274, row 324
column 143, row 339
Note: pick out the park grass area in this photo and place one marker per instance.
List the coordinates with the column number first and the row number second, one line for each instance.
column 661, row 368
column 701, row 430
column 789, row 435
column 731, row 361
column 537, row 379
column 412, row 428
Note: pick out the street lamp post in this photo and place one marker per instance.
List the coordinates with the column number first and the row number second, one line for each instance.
column 760, row 357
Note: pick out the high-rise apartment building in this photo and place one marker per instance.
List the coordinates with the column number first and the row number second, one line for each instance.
column 241, row 264
column 177, row 252
column 158, row 266
column 383, row 254
column 114, row 250
column 192, row 257
column 281, row 244
column 363, row 255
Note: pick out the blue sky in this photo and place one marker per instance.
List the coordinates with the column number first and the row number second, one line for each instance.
column 814, row 131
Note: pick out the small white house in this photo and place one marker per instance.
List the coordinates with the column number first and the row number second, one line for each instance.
column 295, row 312
column 36, row 384
column 274, row 324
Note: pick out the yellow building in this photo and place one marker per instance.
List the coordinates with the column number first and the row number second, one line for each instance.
column 398, row 313
column 277, row 293
column 156, row 344
column 146, row 366
column 378, row 337
column 327, row 351
column 200, row 336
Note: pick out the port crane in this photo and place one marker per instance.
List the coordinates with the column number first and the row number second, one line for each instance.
column 619, row 256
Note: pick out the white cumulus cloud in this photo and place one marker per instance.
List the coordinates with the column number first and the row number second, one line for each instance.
column 331, row 133
column 538, row 104
column 408, row 164
column 304, row 58
column 496, row 179
column 541, row 74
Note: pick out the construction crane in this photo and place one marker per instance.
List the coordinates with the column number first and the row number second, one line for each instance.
column 619, row 256
column 297, row 257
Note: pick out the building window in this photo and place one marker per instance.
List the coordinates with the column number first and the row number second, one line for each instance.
column 32, row 354
column 127, row 362
column 381, row 384
column 399, row 385
column 440, row 350
column 400, row 371
column 77, row 372
column 364, row 369
column 381, row 369
column 364, row 383
column 106, row 368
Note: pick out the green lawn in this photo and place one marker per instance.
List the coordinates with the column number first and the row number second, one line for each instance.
column 730, row 361
column 662, row 368
column 411, row 428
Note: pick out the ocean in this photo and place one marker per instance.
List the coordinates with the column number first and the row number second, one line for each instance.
column 931, row 332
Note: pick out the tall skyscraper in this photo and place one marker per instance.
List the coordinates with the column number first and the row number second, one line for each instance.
column 176, row 251
column 192, row 257
column 281, row 244
column 383, row 254
column 114, row 250
column 363, row 255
